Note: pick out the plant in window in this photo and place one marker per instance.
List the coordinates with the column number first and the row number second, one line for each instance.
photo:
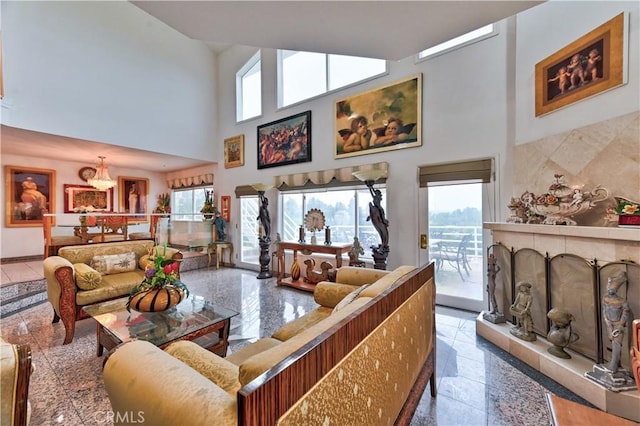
column 208, row 209
column 163, row 203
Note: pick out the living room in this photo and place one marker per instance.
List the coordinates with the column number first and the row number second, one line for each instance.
column 114, row 75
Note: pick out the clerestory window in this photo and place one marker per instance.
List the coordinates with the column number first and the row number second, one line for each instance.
column 249, row 89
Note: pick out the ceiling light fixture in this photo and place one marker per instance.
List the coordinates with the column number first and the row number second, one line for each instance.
column 101, row 180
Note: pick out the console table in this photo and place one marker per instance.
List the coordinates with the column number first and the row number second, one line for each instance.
column 218, row 248
column 283, row 277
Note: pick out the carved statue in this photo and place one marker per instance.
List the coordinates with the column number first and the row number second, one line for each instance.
column 355, row 252
column 494, row 315
column 560, row 333
column 220, row 225
column 377, row 216
column 314, row 277
column 264, row 218
column 521, row 309
column 615, row 312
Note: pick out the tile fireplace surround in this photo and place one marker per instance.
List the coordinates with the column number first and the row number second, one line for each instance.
column 604, row 244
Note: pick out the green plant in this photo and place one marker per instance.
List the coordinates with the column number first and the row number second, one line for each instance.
column 163, row 202
column 626, row 207
column 209, row 206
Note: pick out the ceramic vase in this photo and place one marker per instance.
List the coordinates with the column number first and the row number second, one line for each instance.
column 295, row 269
column 156, row 299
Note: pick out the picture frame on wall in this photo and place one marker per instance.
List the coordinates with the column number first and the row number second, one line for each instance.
column 83, row 198
column 28, row 191
column 594, row 63
column 134, row 197
column 234, row 152
column 285, row 141
column 382, row 119
column 225, row 207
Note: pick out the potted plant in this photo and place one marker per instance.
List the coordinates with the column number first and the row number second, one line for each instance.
column 628, row 212
column 163, row 204
column 208, row 209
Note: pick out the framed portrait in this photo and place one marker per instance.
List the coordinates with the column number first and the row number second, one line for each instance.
column 87, row 198
column 594, row 63
column 381, row 119
column 234, row 152
column 28, row 191
column 286, row 141
column 225, row 207
column 134, row 197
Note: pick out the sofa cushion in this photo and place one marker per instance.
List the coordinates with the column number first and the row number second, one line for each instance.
column 219, row 370
column 349, row 298
column 84, row 253
column 387, row 281
column 259, row 363
column 246, row 352
column 329, row 294
column 114, row 263
column 358, row 276
column 87, row 278
column 300, row 324
column 112, row 286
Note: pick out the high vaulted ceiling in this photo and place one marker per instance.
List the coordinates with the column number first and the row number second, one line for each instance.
column 391, row 30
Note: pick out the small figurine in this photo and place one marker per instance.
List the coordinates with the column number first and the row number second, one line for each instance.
column 560, row 333
column 355, row 252
column 521, row 309
column 494, row 315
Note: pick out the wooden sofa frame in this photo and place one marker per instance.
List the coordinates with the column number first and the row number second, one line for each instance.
column 268, row 397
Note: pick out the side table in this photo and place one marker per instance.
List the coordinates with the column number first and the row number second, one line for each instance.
column 218, row 247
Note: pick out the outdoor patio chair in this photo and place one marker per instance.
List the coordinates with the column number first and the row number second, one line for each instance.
column 456, row 256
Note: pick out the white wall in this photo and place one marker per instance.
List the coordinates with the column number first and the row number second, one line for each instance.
column 544, row 30
column 17, row 242
column 107, row 72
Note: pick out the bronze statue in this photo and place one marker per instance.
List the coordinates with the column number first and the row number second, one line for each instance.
column 264, row 218
column 377, row 216
column 615, row 312
column 560, row 333
column 494, row 315
column 355, row 252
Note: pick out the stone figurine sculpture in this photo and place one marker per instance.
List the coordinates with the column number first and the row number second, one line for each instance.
column 615, row 314
column 221, row 226
column 494, row 315
column 560, row 333
column 355, row 252
column 521, row 309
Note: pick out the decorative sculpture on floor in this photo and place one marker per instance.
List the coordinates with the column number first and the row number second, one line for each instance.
column 615, row 314
column 521, row 309
column 494, row 315
column 377, row 216
column 264, row 240
column 560, row 333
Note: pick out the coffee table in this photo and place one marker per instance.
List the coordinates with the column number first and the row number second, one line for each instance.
column 193, row 319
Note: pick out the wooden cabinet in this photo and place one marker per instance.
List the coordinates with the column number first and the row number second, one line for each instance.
column 307, row 249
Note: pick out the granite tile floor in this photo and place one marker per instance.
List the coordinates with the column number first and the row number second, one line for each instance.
column 477, row 383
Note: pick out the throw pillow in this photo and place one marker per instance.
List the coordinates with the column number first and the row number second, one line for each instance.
column 349, row 298
column 114, row 263
column 87, row 278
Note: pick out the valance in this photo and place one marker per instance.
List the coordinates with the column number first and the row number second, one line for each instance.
column 477, row 170
column 191, row 181
column 326, row 178
column 245, row 191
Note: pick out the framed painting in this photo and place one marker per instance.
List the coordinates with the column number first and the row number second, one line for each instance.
column 133, row 197
column 286, row 141
column 28, row 191
column 234, row 152
column 594, row 63
column 225, row 207
column 83, row 198
column 381, row 119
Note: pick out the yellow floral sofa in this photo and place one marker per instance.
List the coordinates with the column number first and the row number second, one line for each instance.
column 90, row 273
column 15, row 373
column 366, row 362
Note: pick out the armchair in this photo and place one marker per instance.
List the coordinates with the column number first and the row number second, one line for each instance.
column 15, row 372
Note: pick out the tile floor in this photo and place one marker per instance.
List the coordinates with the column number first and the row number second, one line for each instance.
column 478, row 384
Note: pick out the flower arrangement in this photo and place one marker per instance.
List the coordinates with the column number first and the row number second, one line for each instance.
column 627, row 207
column 163, row 203
column 557, row 190
column 209, row 208
column 163, row 272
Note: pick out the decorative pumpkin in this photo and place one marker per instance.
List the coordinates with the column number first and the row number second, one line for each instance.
column 156, row 299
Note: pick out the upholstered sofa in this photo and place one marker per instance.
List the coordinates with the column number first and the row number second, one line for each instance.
column 15, row 373
column 85, row 274
column 363, row 356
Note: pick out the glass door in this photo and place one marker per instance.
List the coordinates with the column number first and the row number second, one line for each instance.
column 454, row 219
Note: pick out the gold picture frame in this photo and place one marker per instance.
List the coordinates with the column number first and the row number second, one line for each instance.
column 133, row 198
column 234, row 152
column 28, row 190
column 594, row 63
column 389, row 118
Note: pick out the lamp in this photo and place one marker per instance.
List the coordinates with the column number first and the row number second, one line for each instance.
column 264, row 239
column 101, row 180
column 376, row 215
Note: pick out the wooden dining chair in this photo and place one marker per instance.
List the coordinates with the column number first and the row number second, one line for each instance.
column 53, row 243
column 113, row 228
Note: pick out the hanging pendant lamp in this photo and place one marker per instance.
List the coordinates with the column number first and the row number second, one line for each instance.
column 101, row 180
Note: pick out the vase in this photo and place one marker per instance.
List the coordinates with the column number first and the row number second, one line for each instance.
column 295, row 269
column 156, row 299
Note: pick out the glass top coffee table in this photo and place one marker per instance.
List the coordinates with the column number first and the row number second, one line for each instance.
column 193, row 319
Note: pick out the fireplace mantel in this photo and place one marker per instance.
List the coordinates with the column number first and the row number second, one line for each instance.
column 606, row 244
